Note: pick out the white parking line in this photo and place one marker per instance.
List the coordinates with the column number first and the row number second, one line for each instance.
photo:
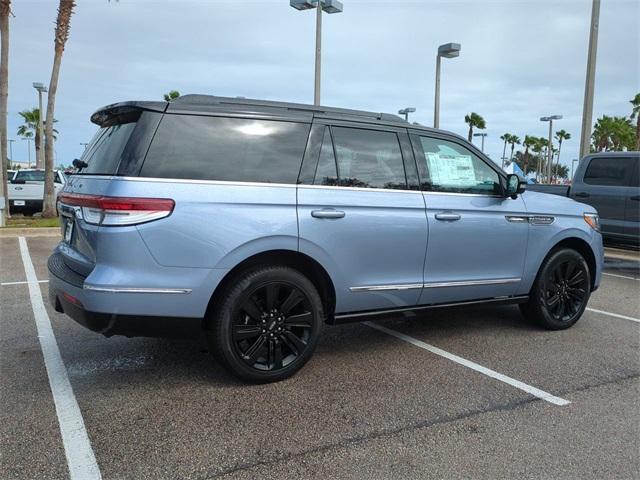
column 536, row 392
column 616, row 315
column 77, row 447
column 5, row 284
column 621, row 276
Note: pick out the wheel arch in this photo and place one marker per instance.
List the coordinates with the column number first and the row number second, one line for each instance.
column 580, row 246
column 305, row 264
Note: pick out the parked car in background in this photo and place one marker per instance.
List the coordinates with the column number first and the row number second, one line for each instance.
column 257, row 222
column 26, row 189
column 610, row 182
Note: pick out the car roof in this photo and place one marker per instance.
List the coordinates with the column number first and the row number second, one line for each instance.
column 613, row 154
column 211, row 104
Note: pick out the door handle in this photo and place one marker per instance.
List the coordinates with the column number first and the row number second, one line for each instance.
column 327, row 213
column 636, row 198
column 448, row 216
column 582, row 195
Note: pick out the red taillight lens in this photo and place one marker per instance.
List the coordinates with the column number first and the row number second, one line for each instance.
column 103, row 210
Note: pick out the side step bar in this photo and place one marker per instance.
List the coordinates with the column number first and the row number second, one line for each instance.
column 360, row 316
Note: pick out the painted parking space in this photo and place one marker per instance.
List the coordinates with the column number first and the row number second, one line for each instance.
column 367, row 401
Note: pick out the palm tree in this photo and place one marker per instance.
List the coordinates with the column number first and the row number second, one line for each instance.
column 613, row 134
column 63, row 24
column 474, row 120
column 514, row 140
column 172, row 95
column 29, row 129
column 5, row 11
column 507, row 138
column 635, row 113
column 528, row 142
column 561, row 135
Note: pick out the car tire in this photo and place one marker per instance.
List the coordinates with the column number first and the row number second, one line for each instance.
column 266, row 324
column 561, row 291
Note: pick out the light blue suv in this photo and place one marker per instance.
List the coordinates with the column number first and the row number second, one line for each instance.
column 257, row 222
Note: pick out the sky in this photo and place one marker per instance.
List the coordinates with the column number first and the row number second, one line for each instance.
column 520, row 60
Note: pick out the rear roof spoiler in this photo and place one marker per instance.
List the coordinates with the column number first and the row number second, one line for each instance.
column 124, row 112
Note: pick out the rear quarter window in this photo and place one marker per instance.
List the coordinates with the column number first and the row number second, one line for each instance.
column 227, row 149
column 104, row 153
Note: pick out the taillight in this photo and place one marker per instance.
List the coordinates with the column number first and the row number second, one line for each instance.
column 114, row 211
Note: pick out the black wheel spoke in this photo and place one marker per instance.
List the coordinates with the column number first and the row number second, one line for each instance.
column 293, row 299
column 294, row 342
column 275, row 354
column 251, row 308
column 243, row 332
column 254, row 350
column 300, row 320
column 272, row 291
column 577, row 279
column 571, row 267
column 553, row 300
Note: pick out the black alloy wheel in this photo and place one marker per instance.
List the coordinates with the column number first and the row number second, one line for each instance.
column 266, row 326
column 273, row 326
column 560, row 292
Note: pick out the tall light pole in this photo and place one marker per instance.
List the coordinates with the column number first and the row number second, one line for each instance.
column 587, row 109
column 11, row 148
column 448, row 50
column 41, row 89
column 550, row 119
column 28, row 140
column 406, row 112
column 481, row 135
column 329, row 6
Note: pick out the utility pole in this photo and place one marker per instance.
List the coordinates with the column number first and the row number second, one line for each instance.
column 587, row 110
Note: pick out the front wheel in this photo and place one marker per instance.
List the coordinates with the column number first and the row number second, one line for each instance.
column 266, row 325
column 560, row 292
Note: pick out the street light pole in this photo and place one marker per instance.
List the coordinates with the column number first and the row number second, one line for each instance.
column 328, row 6
column 28, row 150
column 587, row 109
column 550, row 119
column 448, row 50
column 11, row 148
column 481, row 135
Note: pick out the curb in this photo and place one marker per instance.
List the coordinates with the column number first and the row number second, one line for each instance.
column 8, row 232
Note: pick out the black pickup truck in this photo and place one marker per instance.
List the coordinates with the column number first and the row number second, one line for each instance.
column 610, row 182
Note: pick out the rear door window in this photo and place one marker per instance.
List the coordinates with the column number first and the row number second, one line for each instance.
column 610, row 171
column 227, row 149
column 368, row 158
column 30, row 176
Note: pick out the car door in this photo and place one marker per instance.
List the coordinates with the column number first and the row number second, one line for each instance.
column 477, row 238
column 606, row 187
column 361, row 215
column 632, row 205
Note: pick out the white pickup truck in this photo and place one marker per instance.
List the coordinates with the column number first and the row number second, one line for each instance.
column 26, row 189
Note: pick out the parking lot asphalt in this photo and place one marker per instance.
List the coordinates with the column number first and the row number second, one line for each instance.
column 368, row 405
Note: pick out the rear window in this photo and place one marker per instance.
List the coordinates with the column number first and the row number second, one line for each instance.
column 230, row 149
column 34, row 176
column 612, row 171
column 105, row 150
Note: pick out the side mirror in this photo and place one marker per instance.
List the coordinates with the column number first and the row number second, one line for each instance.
column 514, row 187
column 18, row 182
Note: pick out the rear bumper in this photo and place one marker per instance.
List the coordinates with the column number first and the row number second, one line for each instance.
column 25, row 205
column 67, row 295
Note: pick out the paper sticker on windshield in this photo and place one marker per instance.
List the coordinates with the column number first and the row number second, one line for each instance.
column 451, row 169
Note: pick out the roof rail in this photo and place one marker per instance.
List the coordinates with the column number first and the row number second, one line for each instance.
column 196, row 99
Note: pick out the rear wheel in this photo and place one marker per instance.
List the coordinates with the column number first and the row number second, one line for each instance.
column 560, row 292
column 266, row 325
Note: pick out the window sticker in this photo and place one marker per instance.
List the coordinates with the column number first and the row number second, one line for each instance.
column 446, row 169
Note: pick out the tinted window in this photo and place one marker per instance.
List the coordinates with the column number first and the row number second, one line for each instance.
column 368, row 158
column 450, row 167
column 105, row 150
column 610, row 171
column 326, row 173
column 232, row 149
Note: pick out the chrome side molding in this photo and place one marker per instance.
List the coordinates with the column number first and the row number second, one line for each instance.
column 412, row 286
column 95, row 288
